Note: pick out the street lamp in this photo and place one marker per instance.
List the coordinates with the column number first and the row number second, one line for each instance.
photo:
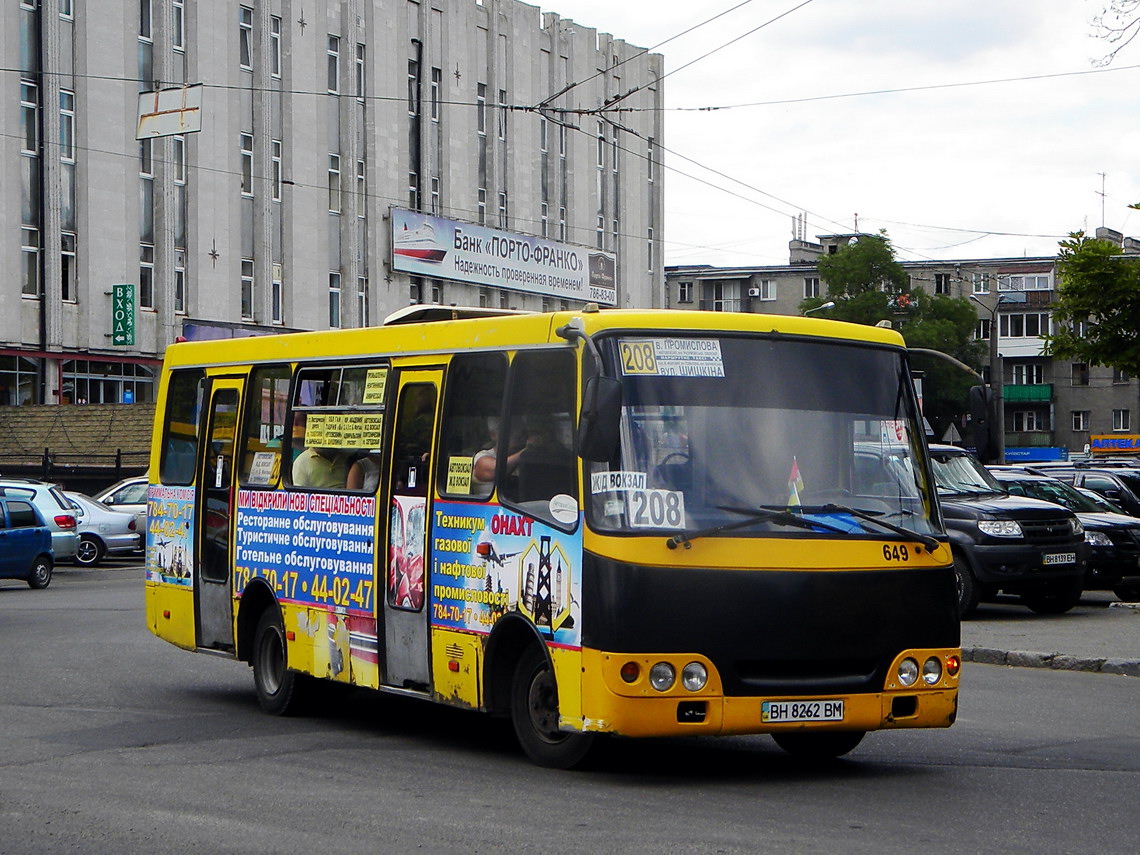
column 997, row 373
column 830, row 304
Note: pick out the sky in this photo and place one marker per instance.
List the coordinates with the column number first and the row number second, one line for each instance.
column 949, row 163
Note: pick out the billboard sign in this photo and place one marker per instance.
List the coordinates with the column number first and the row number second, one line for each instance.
column 435, row 247
column 123, row 314
column 168, row 112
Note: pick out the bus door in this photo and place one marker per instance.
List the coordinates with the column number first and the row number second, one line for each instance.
column 213, row 586
column 405, row 617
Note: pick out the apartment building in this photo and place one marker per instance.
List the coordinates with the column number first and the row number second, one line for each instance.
column 354, row 156
column 1052, row 407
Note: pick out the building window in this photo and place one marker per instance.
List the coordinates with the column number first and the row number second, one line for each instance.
column 246, row 143
column 942, row 284
column 435, row 195
column 413, row 191
column 66, row 10
column 982, row 330
column 436, row 94
column 649, row 260
column 334, row 300
column 178, row 25
column 275, row 45
column 361, row 78
column 1030, row 421
column 811, row 287
column 980, row 283
column 649, row 168
column 67, row 125
column 1023, row 325
column 481, row 108
column 684, row 292
column 180, row 285
column 561, row 223
column 601, row 145
column 67, row 267
column 29, row 118
column 30, row 258
column 1080, row 374
column 502, row 114
column 1081, row 420
column 144, row 19
column 502, row 209
column 146, row 276
column 277, row 297
column 247, row 289
column 482, row 204
column 361, row 188
column 333, row 53
column 362, row 299
column 1121, row 420
column 245, row 38
column 543, row 133
column 1028, row 374
column 722, row 296
column 275, row 163
column 413, row 85
column 600, row 232
column 1035, row 282
column 437, row 292
column 334, row 184
column 415, row 290
column 544, row 217
column 484, row 298
column 1119, row 376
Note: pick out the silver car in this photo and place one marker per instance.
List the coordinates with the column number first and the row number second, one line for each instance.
column 102, row 530
column 128, row 495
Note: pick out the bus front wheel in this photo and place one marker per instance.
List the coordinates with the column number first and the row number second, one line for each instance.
column 279, row 690
column 819, row 746
column 534, row 714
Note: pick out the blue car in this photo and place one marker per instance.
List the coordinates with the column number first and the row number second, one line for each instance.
column 25, row 543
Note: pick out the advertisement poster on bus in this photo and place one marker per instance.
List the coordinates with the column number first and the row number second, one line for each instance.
column 170, row 535
column 487, row 561
column 423, row 245
column 312, row 548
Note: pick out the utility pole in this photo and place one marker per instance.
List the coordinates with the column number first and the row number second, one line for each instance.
column 997, row 372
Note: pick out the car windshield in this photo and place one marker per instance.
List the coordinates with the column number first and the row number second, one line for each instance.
column 732, row 431
column 1057, row 492
column 959, row 474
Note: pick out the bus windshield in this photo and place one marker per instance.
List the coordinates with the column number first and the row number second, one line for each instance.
column 762, row 435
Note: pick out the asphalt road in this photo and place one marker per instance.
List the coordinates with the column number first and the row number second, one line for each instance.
column 113, row 741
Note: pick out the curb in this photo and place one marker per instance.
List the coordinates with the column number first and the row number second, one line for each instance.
column 1054, row 661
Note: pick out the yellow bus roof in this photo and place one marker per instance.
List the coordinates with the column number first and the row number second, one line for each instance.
column 405, row 335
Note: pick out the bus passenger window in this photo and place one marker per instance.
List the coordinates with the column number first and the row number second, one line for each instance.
column 540, row 430
column 264, row 435
column 472, row 406
column 180, row 440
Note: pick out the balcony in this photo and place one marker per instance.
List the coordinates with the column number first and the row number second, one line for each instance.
column 1038, row 393
column 1029, row 439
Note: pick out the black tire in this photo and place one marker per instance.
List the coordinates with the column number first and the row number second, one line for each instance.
column 534, row 714
column 968, row 593
column 1055, row 598
column 279, row 690
column 816, row 745
column 1128, row 593
column 40, row 577
column 90, row 551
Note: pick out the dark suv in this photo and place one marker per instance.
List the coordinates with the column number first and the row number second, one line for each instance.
column 1113, row 538
column 1012, row 544
column 1120, row 485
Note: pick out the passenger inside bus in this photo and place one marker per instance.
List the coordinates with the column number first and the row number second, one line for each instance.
column 484, row 462
column 320, row 467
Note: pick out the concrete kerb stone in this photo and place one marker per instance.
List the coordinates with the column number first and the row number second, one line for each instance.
column 1055, row 661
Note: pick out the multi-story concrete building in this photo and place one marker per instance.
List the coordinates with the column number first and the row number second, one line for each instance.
column 354, row 156
column 1052, row 406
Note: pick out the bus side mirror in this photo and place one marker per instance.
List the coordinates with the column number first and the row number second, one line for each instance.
column 599, row 425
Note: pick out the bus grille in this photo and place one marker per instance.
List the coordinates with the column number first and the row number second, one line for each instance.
column 781, row 676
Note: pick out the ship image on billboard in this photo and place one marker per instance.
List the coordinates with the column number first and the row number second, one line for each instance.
column 423, row 245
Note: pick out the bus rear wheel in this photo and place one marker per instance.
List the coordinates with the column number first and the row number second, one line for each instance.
column 279, row 690
column 819, row 746
column 534, row 714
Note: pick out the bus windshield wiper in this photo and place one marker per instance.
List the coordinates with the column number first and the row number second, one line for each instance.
column 780, row 516
column 926, row 540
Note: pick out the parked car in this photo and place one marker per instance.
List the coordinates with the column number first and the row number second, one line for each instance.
column 128, row 495
column 25, row 543
column 1001, row 543
column 1113, row 538
column 53, row 506
column 102, row 530
column 1120, row 485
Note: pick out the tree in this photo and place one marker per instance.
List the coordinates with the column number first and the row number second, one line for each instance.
column 1097, row 305
column 855, row 277
column 1118, row 24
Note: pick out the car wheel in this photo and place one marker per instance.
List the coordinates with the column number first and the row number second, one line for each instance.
column 534, row 714
column 40, row 576
column 1128, row 593
column 90, row 551
column 1055, row 598
column 819, row 746
column 279, row 690
column 968, row 594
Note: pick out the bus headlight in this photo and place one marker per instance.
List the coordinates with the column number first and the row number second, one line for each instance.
column 908, row 672
column 694, row 676
column 931, row 671
column 662, row 676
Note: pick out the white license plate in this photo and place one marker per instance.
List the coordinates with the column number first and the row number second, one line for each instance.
column 781, row 711
column 1061, row 558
